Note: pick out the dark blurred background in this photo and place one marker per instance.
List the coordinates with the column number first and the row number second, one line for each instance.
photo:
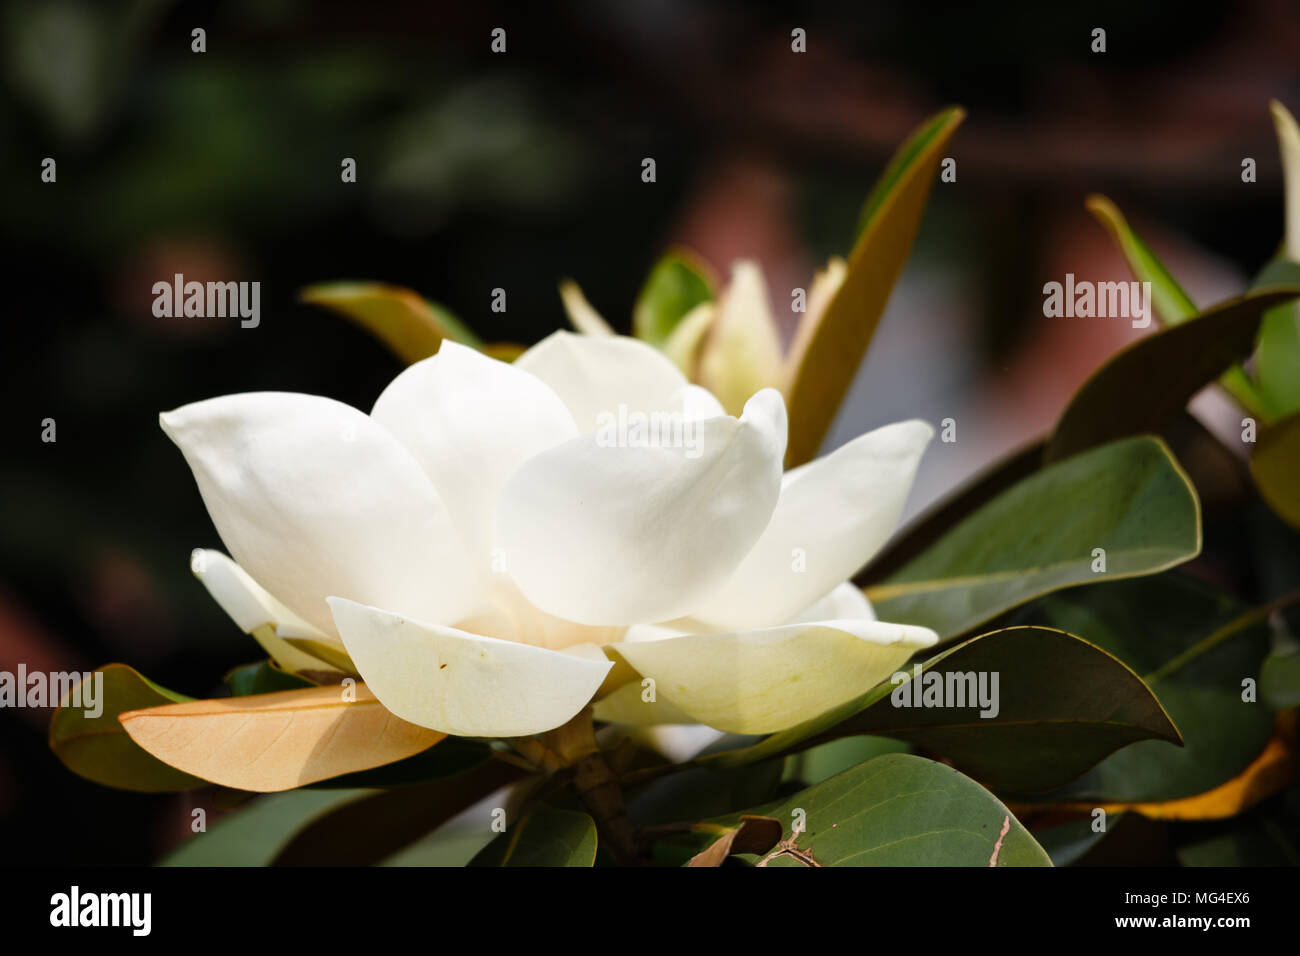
column 478, row 170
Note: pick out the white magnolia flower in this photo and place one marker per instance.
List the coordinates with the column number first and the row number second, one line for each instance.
column 493, row 554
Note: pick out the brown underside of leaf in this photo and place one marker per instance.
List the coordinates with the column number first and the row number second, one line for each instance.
column 754, row 835
column 271, row 742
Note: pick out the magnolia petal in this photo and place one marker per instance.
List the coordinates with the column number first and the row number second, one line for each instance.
column 1288, row 138
column 631, row 704
column 846, row 602
column 758, row 682
column 313, row 498
column 471, row 421
column 580, row 312
column 258, row 613
column 833, row 515
column 606, row 535
column 685, row 341
column 594, row 375
column 461, row 683
column 743, row 351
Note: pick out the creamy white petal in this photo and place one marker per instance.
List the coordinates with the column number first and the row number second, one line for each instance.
column 743, row 351
column 595, row 375
column 607, row 535
column 1288, row 138
column 834, row 514
column 257, row 612
column 584, row 318
column 845, row 602
column 471, row 421
column 461, row 683
column 313, row 498
column 687, row 338
column 762, row 681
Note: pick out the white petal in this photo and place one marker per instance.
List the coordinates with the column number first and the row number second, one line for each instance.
column 607, row 535
column 743, row 350
column 834, row 514
column 471, row 421
column 312, row 498
column 461, row 683
column 584, row 318
column 1288, row 138
column 685, row 341
column 597, row 374
column 845, row 603
column 258, row 613
column 759, row 682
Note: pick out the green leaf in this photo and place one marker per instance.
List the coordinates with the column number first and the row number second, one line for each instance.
column 1193, row 648
column 902, row 810
column 408, row 324
column 1146, row 384
column 1275, row 466
column 677, row 284
column 835, row 756
column 1068, row 842
column 99, row 749
column 253, row 835
column 1277, row 358
column 1170, row 302
column 1129, row 498
column 1279, row 681
column 382, row 823
column 262, row 677
column 445, row 759
column 1062, row 705
column 937, row 521
column 828, row 348
column 544, row 837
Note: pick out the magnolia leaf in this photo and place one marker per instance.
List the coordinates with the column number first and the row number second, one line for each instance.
column 254, row 834
column 1277, row 359
column 1279, row 681
column 1060, row 705
column 1171, row 303
column 901, row 810
column 99, row 749
column 382, row 823
column 753, row 835
column 544, row 836
column 1146, row 384
column 679, row 282
column 1193, row 648
column 1275, row 466
column 451, row 756
column 262, row 677
column 411, row 326
column 1123, row 510
column 273, row 742
column 828, row 346
column 938, row 520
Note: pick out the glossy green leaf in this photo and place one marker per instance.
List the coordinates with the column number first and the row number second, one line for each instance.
column 99, row 749
column 903, row 810
column 1062, row 705
column 1279, row 681
column 828, row 347
column 1275, row 466
column 676, row 285
column 385, row 822
column 254, row 834
column 262, row 677
column 1277, row 358
column 1193, row 647
column 1170, row 302
column 1146, row 384
column 544, row 836
column 411, row 326
column 1129, row 498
